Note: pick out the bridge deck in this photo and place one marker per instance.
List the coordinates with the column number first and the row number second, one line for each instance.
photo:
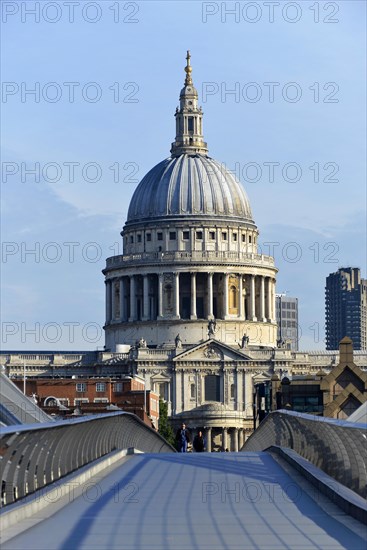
column 199, row 501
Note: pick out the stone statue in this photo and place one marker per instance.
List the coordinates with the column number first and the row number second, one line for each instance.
column 245, row 341
column 178, row 341
column 142, row 343
column 281, row 343
column 212, row 327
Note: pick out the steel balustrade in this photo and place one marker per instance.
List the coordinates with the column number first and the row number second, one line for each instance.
column 33, row 456
column 337, row 447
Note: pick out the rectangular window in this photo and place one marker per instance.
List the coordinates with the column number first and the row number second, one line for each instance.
column 186, row 235
column 148, row 237
column 190, row 124
column 117, row 387
column 212, row 387
column 243, row 237
column 131, row 239
column 100, row 387
column 172, row 235
column 224, row 236
column 235, row 237
column 80, row 401
column 212, row 235
column 139, row 238
column 199, row 235
column 81, row 386
column 100, row 400
column 159, row 236
column 249, row 238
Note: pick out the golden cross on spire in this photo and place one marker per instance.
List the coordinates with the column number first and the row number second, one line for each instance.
column 188, row 69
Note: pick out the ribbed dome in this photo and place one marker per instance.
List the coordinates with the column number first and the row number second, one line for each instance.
column 189, row 185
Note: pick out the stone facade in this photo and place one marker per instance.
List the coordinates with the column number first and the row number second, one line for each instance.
column 179, row 376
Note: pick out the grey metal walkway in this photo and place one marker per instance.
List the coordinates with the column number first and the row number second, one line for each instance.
column 199, row 501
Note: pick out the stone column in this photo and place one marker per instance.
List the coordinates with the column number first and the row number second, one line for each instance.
column 108, row 302
column 241, row 304
column 252, row 299
column 122, row 300
column 160, row 295
column 239, row 390
column 268, row 300
column 224, row 438
column 172, row 408
column 178, row 392
column 235, row 437
column 240, row 438
column 132, row 299
column 145, row 298
column 210, row 296
column 177, row 295
column 248, row 394
column 225, row 296
column 273, row 316
column 193, row 296
column 262, row 299
column 113, row 300
column 169, row 392
column 208, row 437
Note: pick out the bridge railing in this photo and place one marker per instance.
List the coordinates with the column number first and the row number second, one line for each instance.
column 337, row 447
column 33, row 456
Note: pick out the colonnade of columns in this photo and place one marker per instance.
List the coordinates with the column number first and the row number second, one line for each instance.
column 236, row 436
column 135, row 297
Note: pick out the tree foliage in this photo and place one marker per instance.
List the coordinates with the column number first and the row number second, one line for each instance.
column 165, row 430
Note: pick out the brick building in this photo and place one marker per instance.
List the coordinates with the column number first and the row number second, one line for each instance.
column 73, row 396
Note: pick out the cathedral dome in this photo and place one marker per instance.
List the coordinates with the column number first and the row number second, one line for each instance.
column 191, row 185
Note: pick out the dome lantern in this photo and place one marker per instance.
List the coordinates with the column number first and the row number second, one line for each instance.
column 189, row 119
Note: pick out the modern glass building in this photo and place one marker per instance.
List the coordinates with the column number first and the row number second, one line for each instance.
column 346, row 308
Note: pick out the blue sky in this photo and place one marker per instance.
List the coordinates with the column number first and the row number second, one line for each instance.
column 312, row 211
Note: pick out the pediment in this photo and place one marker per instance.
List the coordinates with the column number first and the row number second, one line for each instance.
column 262, row 377
column 211, row 350
column 159, row 377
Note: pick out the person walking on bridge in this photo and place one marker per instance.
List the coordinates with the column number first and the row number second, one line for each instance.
column 199, row 442
column 182, row 438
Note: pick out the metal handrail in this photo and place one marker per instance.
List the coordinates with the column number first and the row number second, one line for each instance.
column 33, row 456
column 337, row 447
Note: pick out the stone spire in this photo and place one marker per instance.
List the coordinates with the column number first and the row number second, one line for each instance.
column 189, row 120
